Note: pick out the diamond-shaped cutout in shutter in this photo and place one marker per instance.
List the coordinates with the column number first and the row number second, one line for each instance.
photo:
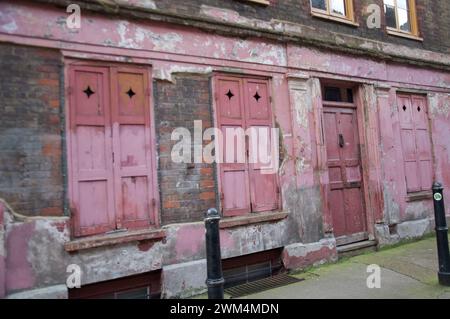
column 88, row 91
column 257, row 96
column 130, row 93
column 229, row 94
column 404, row 108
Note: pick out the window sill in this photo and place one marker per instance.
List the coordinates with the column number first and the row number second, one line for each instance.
column 254, row 218
column 418, row 196
column 112, row 239
column 403, row 35
column 264, row 2
column 334, row 18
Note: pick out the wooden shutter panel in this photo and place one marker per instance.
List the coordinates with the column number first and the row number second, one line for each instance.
column 235, row 195
column 133, row 166
column 408, row 144
column 263, row 187
column 90, row 151
column 423, row 144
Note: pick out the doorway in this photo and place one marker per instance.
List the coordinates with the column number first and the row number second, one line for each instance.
column 345, row 190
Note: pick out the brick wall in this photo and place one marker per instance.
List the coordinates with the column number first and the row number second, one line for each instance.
column 187, row 191
column 433, row 18
column 30, row 130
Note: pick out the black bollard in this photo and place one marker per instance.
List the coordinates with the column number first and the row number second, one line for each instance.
column 214, row 279
column 441, row 235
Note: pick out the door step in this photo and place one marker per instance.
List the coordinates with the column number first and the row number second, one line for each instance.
column 358, row 248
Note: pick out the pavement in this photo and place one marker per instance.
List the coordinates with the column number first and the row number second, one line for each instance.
column 408, row 271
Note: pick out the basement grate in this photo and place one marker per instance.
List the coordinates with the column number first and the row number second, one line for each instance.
column 261, row 285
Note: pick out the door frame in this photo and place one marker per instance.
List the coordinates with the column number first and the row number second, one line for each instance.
column 358, row 104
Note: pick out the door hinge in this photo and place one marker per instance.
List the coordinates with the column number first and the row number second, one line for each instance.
column 69, row 90
column 113, row 157
column 147, row 92
column 154, row 203
column 278, row 189
column 222, row 196
column 251, row 207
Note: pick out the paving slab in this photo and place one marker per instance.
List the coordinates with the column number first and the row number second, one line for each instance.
column 407, row 272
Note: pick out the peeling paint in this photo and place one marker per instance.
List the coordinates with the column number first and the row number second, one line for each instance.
column 165, row 73
column 299, row 256
column 439, row 104
column 391, row 207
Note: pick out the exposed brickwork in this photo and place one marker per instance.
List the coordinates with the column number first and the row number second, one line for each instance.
column 187, row 191
column 30, row 130
column 433, row 17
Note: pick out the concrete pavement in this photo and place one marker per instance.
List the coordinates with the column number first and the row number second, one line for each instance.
column 407, row 271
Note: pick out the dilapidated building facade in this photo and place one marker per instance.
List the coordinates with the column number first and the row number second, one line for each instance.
column 87, row 114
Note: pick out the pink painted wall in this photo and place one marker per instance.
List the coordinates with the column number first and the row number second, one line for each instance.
column 175, row 49
column 440, row 116
column 19, row 271
column 2, row 254
column 49, row 23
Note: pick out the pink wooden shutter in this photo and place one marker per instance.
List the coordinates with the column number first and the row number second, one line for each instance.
column 423, row 145
column 408, row 143
column 235, row 195
column 91, row 177
column 133, row 166
column 263, row 187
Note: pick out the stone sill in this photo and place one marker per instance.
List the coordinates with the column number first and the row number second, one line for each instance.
column 403, row 34
column 263, row 2
column 112, row 239
column 411, row 197
column 254, row 218
column 330, row 17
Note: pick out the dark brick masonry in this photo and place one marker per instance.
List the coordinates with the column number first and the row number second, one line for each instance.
column 31, row 156
column 187, row 191
column 30, row 130
column 433, row 18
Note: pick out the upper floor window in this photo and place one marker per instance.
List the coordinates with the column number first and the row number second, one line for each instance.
column 401, row 17
column 340, row 10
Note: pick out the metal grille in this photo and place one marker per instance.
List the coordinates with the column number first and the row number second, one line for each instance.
column 261, row 285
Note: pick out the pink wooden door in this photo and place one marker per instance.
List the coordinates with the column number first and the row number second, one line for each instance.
column 416, row 144
column 344, row 169
column 132, row 159
column 263, row 186
column 92, row 200
column 235, row 195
